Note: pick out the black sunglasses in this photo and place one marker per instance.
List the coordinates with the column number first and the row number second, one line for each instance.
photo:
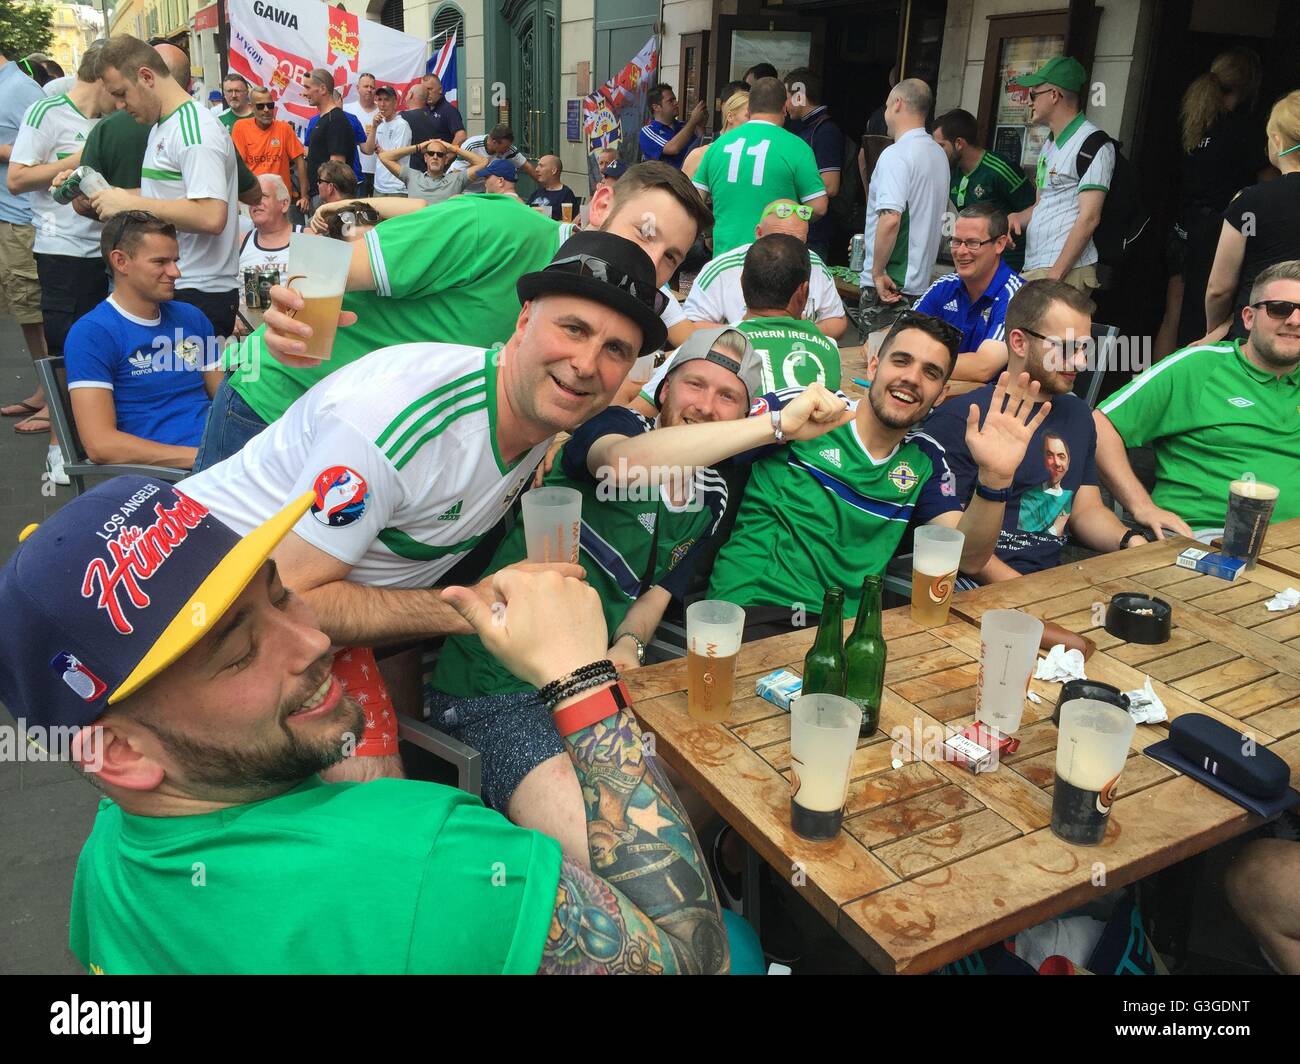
column 1277, row 309
column 1068, row 347
column 263, row 107
column 588, row 266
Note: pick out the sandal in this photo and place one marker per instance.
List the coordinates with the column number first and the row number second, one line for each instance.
column 41, row 421
column 21, row 409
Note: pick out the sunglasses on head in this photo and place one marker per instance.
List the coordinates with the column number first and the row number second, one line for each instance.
column 783, row 210
column 1277, row 309
column 588, row 266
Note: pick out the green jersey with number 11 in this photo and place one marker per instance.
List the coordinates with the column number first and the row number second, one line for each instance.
column 747, row 168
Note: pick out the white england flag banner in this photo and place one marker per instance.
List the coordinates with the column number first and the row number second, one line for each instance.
column 276, row 44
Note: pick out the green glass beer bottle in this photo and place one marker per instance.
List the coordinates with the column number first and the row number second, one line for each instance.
column 864, row 657
column 823, row 668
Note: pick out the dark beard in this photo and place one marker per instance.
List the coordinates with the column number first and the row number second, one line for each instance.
column 890, row 422
column 1269, row 356
column 262, row 766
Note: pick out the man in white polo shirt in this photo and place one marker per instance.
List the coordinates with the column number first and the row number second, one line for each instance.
column 905, row 208
column 1064, row 217
column 189, row 177
column 716, row 296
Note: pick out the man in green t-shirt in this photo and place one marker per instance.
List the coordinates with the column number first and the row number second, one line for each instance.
column 235, row 89
column 444, row 272
column 645, row 523
column 1214, row 413
column 829, row 512
column 759, row 161
column 205, row 709
column 792, row 351
column 983, row 176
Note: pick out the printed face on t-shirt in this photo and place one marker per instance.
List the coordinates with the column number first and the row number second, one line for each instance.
column 1056, row 455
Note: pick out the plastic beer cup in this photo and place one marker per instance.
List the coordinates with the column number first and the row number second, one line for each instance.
column 1008, row 648
column 552, row 524
column 713, row 633
column 318, row 271
column 936, row 553
column 823, row 735
column 1091, row 751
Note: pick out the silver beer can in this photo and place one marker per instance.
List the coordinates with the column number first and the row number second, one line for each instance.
column 858, row 253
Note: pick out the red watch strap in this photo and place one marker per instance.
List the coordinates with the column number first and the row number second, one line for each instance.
column 596, row 706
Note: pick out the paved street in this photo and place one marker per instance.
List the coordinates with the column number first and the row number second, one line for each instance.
column 45, row 809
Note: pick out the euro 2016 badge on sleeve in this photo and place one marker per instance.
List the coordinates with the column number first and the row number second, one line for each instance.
column 341, row 495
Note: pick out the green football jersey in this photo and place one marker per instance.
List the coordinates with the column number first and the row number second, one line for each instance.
column 1213, row 417
column 618, row 531
column 388, row 877
column 795, row 353
column 747, row 168
column 446, row 273
column 826, row 513
column 995, row 180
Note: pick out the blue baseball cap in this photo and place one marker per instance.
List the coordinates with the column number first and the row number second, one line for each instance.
column 501, row 168
column 614, row 170
column 114, row 588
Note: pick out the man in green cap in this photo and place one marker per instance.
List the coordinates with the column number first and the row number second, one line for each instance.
column 1070, row 195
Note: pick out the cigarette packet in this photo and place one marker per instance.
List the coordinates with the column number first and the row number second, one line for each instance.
column 978, row 747
column 779, row 688
column 1212, row 563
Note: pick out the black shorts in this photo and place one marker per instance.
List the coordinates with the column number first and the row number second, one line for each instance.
column 219, row 307
column 70, row 287
column 513, row 734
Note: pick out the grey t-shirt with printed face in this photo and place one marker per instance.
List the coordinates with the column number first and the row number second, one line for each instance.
column 433, row 189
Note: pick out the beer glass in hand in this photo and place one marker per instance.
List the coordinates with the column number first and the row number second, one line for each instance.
column 318, row 271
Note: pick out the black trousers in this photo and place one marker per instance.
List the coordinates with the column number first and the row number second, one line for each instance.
column 70, row 287
column 219, row 307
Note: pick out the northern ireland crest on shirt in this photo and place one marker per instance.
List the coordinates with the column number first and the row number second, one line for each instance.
column 903, row 477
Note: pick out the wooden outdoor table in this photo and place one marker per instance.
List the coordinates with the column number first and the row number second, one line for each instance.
column 934, row 862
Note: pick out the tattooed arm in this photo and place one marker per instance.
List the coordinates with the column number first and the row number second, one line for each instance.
column 647, row 905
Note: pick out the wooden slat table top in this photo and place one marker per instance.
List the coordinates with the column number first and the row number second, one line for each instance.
column 934, row 862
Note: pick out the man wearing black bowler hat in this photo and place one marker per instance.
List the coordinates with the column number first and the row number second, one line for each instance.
column 197, row 694
column 415, row 452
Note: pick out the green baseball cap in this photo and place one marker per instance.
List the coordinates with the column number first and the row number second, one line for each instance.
column 1061, row 71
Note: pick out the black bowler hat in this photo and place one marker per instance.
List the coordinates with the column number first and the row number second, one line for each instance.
column 606, row 269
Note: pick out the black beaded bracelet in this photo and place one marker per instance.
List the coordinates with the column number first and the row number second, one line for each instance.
column 583, row 679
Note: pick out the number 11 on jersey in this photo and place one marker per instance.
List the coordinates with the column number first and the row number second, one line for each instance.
column 736, row 149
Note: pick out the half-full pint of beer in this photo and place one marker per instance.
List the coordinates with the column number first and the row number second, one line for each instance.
column 710, row 684
column 931, row 596
column 322, row 314
column 1090, row 754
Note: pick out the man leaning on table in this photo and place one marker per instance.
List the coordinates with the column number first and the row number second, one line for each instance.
column 865, row 482
column 1048, row 334
column 213, row 710
column 1214, row 413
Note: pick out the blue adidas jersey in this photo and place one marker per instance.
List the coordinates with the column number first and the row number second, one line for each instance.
column 154, row 369
column 979, row 320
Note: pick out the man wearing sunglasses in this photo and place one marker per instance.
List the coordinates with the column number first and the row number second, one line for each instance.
column 1049, row 337
column 717, row 298
column 1068, row 208
column 269, row 145
column 438, row 181
column 415, row 452
column 1214, row 413
column 974, row 299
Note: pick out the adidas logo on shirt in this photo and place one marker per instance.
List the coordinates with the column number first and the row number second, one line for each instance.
column 1238, row 401
column 832, row 455
column 647, row 522
column 141, row 362
column 951, row 305
column 452, row 513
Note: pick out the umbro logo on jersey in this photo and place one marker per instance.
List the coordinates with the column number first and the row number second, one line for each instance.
column 452, row 513
column 1238, row 401
column 950, row 305
column 647, row 522
column 832, row 455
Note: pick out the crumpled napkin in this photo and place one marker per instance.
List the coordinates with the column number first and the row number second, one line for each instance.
column 1283, row 600
column 1060, row 665
column 1144, row 705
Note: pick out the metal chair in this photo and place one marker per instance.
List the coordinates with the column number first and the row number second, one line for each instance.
column 54, row 380
column 1087, row 385
column 465, row 759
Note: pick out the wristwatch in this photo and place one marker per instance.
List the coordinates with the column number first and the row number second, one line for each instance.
column 993, row 494
column 1123, row 540
column 640, row 646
